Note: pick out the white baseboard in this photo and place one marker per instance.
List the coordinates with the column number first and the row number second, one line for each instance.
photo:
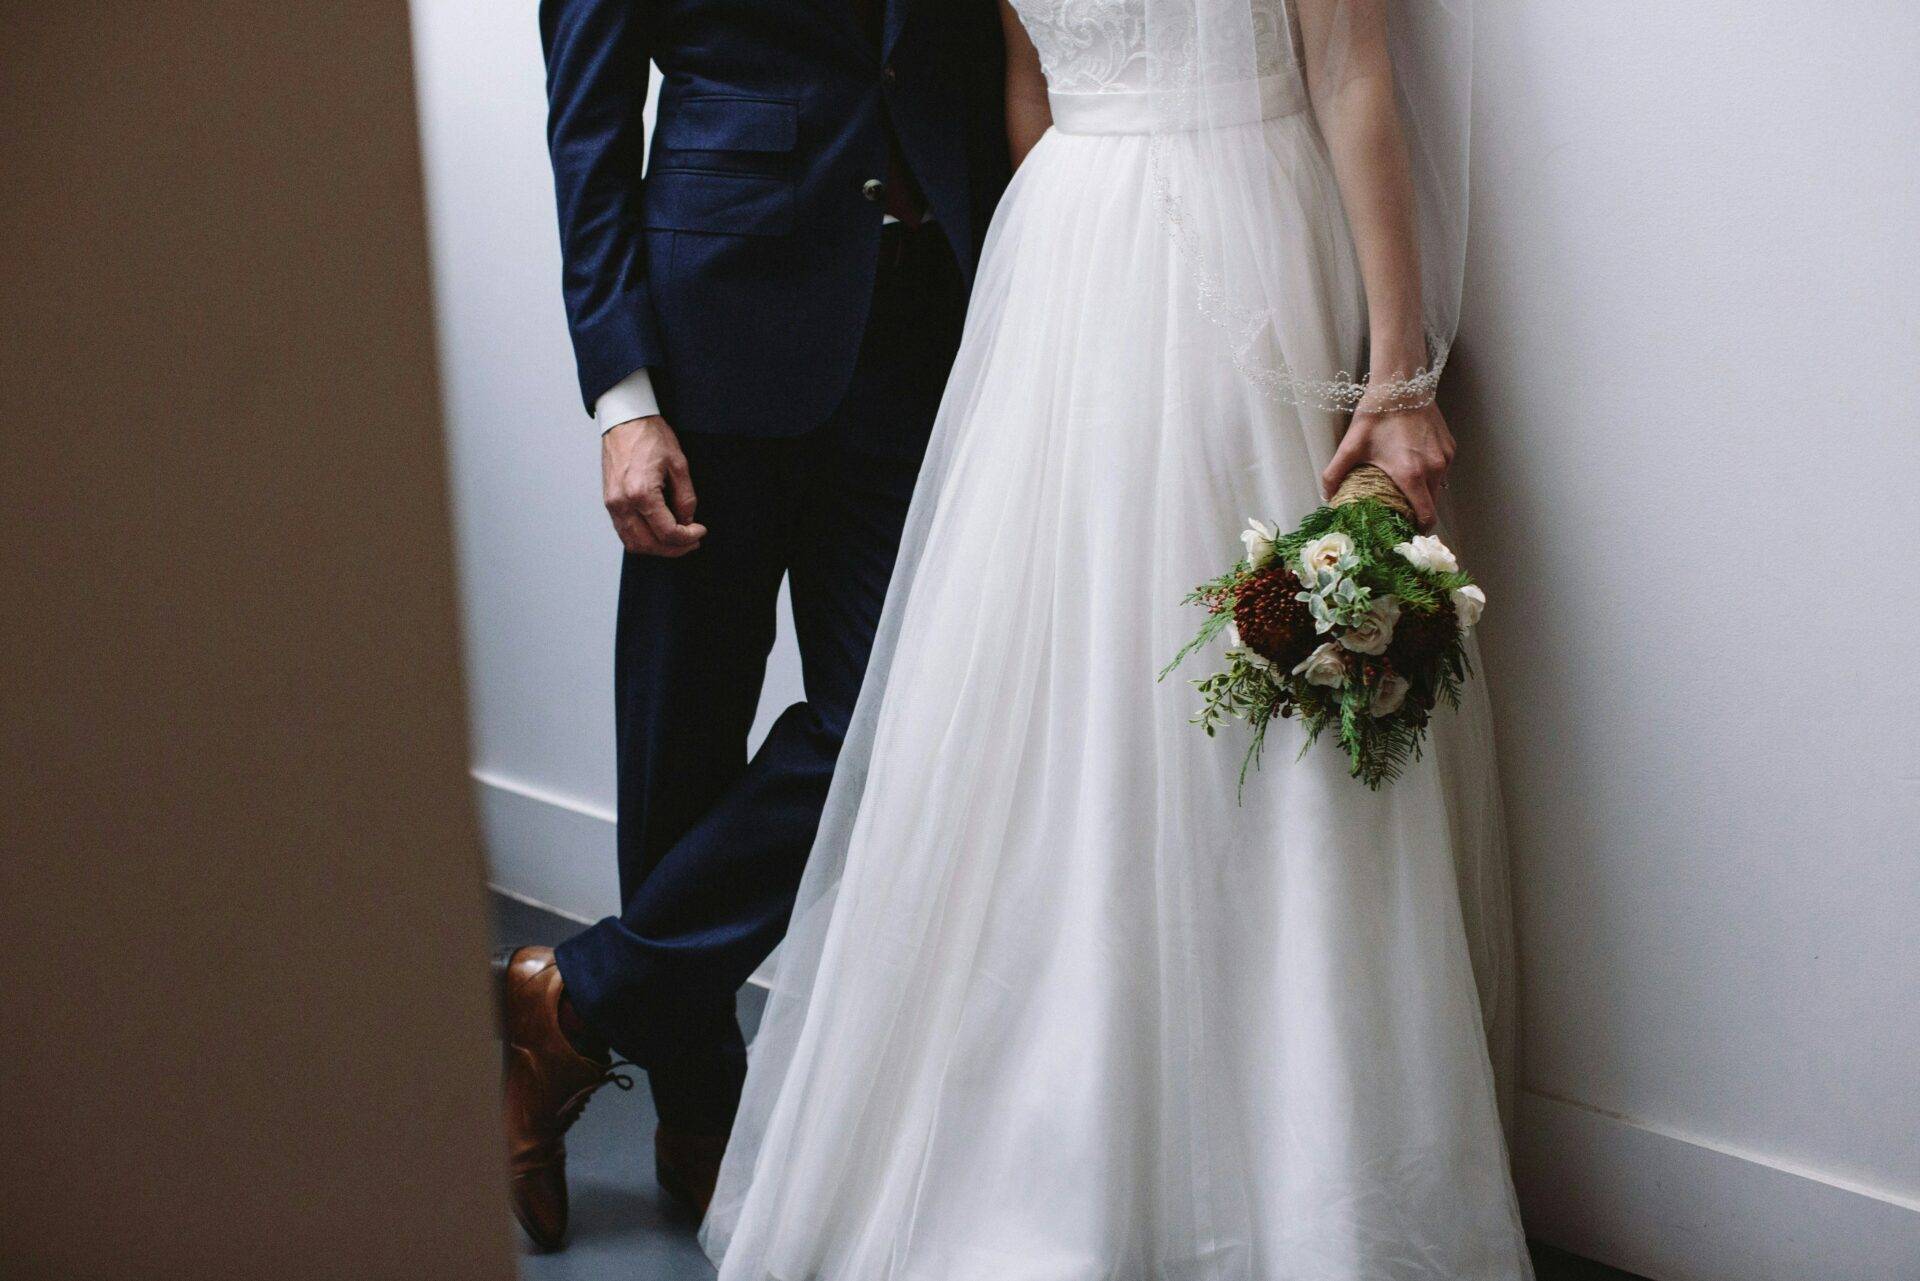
column 539, row 905
column 1675, row 1208
column 551, row 851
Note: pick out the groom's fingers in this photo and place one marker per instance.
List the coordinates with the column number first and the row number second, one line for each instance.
column 680, row 480
column 632, row 531
column 647, row 488
column 674, row 538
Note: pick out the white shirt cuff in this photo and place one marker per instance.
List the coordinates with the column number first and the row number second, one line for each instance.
column 630, row 398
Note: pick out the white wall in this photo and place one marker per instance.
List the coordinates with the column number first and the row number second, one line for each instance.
column 539, row 561
column 1688, row 400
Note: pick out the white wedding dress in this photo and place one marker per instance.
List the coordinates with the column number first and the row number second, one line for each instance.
column 1053, row 1006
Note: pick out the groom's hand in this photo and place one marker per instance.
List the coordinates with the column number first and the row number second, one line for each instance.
column 649, row 491
column 1413, row 446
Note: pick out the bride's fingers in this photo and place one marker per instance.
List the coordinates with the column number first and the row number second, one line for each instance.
column 1412, row 477
column 1345, row 459
column 1419, row 496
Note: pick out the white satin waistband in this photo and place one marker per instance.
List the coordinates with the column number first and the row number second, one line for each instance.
column 1150, row 111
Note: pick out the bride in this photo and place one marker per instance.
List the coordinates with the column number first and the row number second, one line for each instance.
column 1054, row 1004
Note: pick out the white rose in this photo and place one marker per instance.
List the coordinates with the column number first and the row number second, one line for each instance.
column 1325, row 666
column 1428, row 552
column 1324, row 552
column 1390, row 693
column 1259, row 536
column 1374, row 632
column 1468, row 602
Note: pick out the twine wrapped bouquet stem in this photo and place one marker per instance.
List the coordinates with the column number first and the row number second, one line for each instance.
column 1367, row 481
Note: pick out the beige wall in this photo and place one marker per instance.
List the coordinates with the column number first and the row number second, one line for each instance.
column 245, row 1028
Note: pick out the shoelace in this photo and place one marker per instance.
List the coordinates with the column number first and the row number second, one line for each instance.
column 570, row 1110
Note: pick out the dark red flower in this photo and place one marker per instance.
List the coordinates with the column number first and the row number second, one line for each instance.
column 1420, row 639
column 1272, row 623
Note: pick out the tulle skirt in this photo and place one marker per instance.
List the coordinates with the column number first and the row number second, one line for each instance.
column 1054, row 1005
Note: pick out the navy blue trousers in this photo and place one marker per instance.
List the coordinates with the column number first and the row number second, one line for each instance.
column 712, row 844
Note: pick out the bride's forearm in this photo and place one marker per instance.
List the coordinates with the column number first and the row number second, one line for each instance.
column 1370, row 164
column 1350, row 80
column 1353, row 99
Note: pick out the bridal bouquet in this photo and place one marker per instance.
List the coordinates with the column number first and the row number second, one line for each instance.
column 1352, row 622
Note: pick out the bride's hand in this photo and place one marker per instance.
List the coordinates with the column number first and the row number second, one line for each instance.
column 1413, row 446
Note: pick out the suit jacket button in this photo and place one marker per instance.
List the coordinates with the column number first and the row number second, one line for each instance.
column 874, row 190
column 888, row 74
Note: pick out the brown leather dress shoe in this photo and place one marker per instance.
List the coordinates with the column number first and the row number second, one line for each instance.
column 547, row 1085
column 687, row 1165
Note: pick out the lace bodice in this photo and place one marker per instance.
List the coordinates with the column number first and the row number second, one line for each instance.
column 1100, row 46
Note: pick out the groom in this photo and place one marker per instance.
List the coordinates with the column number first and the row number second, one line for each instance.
column 763, row 326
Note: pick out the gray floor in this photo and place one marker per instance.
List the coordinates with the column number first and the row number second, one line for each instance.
column 625, row 1229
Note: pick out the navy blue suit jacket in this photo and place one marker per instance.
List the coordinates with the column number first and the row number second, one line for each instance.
column 741, row 268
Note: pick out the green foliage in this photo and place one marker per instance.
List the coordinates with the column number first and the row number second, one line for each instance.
column 1219, row 596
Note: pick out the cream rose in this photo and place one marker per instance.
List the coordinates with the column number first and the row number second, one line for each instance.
column 1374, row 630
column 1325, row 666
column 1428, row 552
column 1323, row 553
column 1389, row 694
column 1259, row 536
column 1468, row 603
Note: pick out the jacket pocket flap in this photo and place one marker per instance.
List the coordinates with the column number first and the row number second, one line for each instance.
column 738, row 204
column 714, row 123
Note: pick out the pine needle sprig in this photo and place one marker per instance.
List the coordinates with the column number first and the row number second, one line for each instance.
column 1218, row 595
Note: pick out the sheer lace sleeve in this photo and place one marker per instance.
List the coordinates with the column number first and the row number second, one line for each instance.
column 1214, row 66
